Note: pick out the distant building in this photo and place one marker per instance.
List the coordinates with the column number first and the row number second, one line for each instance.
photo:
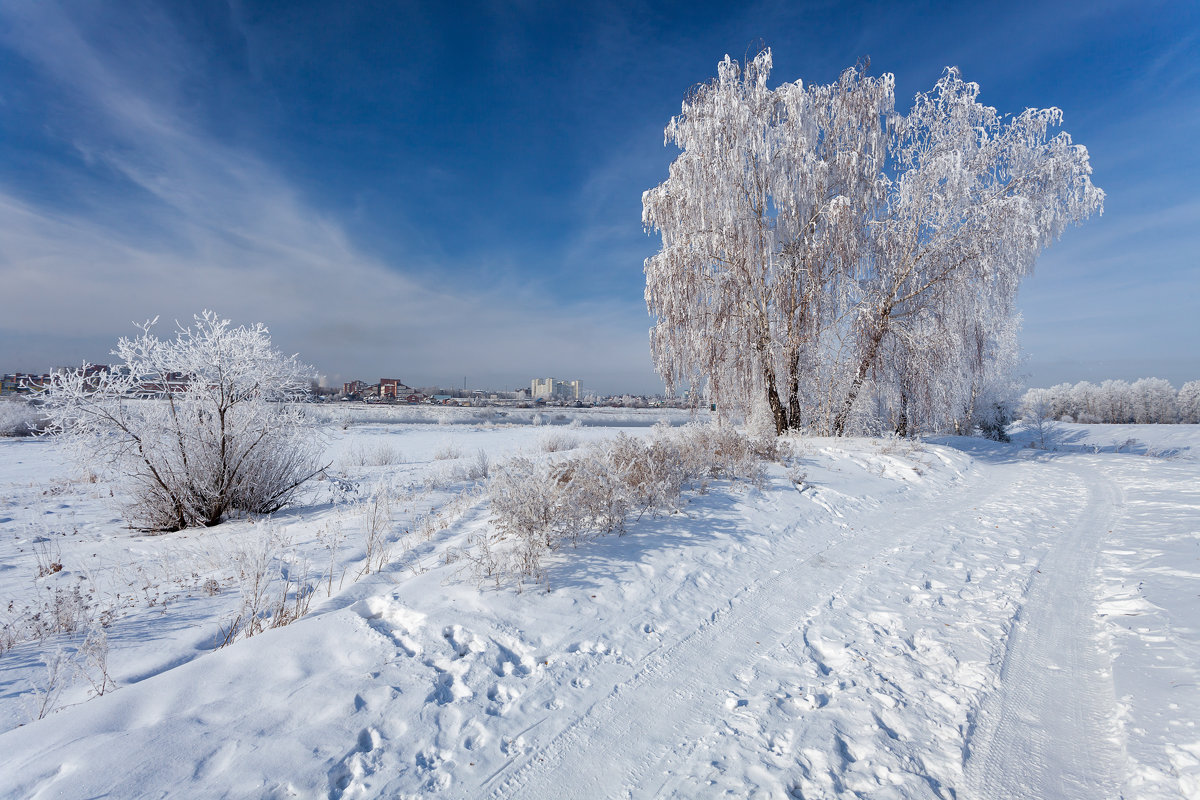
column 22, row 382
column 19, row 383
column 393, row 389
column 554, row 389
column 28, row 383
column 170, row 382
column 354, row 389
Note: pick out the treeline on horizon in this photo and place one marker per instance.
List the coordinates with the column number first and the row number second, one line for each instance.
column 1144, row 401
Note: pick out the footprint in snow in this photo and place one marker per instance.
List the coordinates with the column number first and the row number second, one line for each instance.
column 510, row 661
column 462, row 641
column 351, row 773
column 734, row 703
column 586, row 647
column 476, row 737
column 502, row 697
column 746, row 675
column 514, row 747
column 438, row 766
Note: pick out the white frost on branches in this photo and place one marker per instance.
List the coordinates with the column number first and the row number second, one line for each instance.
column 853, row 266
column 200, row 426
column 1147, row 401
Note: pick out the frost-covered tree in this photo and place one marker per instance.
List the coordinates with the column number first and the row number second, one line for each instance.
column 198, row 427
column 817, row 245
column 1085, row 402
column 972, row 198
column 758, row 215
column 1115, row 402
column 1062, row 401
column 1188, row 401
column 1153, row 401
column 1037, row 413
column 1145, row 401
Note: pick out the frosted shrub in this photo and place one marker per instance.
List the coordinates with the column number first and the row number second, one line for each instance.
column 273, row 581
column 592, row 499
column 537, row 506
column 56, row 610
column 652, row 476
column 48, row 556
column 480, row 468
column 376, row 513
column 382, row 455
column 723, row 452
column 92, row 661
column 993, row 415
column 44, row 694
column 89, row 661
column 447, row 452
column 217, row 436
column 556, row 441
column 64, row 610
column 523, row 498
column 1037, row 414
column 18, row 418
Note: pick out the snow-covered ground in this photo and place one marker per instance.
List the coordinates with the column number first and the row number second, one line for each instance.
column 879, row 619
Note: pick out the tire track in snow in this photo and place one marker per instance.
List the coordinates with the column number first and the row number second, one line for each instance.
column 665, row 681
column 816, row 726
column 684, row 680
column 1049, row 729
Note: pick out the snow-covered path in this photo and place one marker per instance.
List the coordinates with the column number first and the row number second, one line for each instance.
column 692, row 681
column 1012, row 697
column 1050, row 727
column 965, row 621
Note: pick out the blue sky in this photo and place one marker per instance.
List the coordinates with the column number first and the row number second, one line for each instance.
column 440, row 191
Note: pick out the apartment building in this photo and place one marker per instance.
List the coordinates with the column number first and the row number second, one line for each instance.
column 554, row 389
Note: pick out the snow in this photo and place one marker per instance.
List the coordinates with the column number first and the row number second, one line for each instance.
column 880, row 618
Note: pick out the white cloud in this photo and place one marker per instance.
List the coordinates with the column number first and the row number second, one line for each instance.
column 204, row 224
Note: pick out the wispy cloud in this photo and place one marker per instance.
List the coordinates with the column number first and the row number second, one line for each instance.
column 202, row 223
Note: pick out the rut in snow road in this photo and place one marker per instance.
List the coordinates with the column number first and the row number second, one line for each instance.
column 1050, row 729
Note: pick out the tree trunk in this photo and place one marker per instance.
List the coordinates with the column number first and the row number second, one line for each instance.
column 793, row 391
column 864, row 367
column 777, row 410
column 965, row 428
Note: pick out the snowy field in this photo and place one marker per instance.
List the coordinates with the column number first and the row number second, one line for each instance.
column 875, row 618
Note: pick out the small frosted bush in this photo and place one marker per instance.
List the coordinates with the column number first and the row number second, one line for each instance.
column 198, row 427
column 18, row 418
column 382, row 455
column 537, row 506
column 447, row 452
column 556, row 441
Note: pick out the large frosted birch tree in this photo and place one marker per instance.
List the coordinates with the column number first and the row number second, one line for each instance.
column 818, row 247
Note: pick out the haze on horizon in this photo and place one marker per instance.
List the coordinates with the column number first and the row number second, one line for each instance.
column 432, row 193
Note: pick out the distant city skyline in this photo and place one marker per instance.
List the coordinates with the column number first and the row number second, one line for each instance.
column 435, row 191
